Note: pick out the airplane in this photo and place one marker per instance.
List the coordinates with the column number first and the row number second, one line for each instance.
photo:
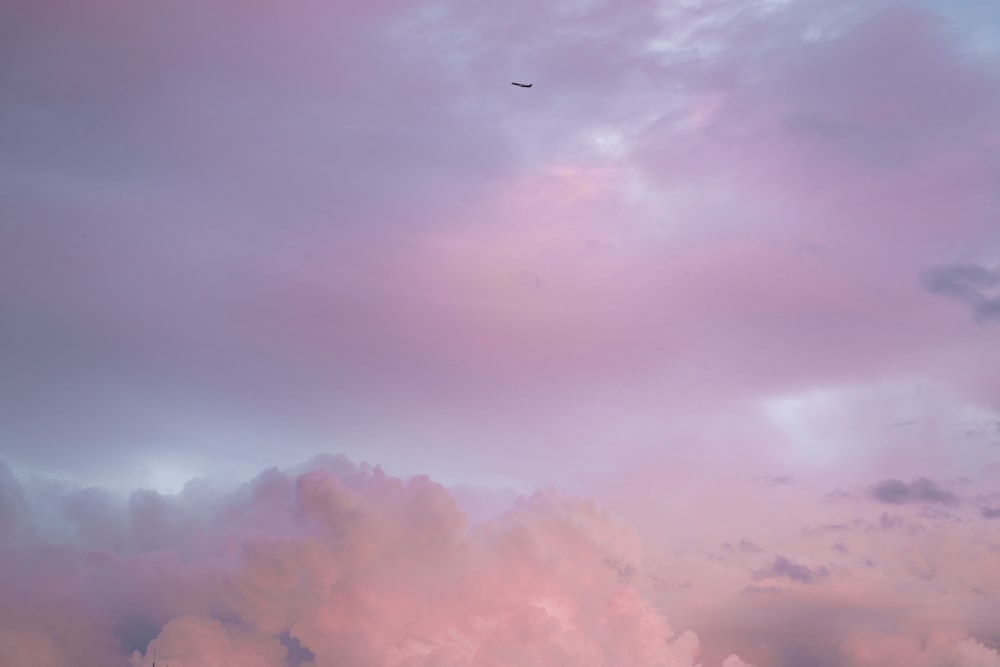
column 522, row 85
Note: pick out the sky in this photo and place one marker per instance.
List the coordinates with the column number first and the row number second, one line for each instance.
column 322, row 344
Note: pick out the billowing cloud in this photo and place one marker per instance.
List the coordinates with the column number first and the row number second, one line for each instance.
column 346, row 564
column 336, row 562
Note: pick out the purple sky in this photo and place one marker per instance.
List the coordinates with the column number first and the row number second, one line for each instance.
column 704, row 326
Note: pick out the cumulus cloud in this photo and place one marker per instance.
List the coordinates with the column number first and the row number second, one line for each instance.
column 922, row 490
column 347, row 564
column 192, row 641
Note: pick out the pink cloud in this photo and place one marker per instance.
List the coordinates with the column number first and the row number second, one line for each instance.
column 345, row 212
column 342, row 562
column 357, row 566
column 717, row 245
column 191, row 641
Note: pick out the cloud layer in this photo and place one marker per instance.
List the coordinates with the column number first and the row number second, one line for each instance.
column 310, row 217
column 336, row 565
column 728, row 270
column 335, row 562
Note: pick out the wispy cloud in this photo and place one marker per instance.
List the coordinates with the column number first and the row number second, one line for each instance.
column 971, row 283
column 784, row 568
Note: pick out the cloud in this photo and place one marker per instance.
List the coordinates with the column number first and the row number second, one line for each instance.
column 735, row 661
column 239, row 231
column 277, row 248
column 336, row 562
column 193, row 641
column 922, row 490
column 784, row 568
column 972, row 283
column 990, row 512
column 345, row 565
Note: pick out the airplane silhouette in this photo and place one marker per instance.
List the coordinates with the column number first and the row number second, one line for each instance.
column 522, row 85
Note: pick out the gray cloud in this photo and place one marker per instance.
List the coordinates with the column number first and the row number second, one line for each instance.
column 788, row 569
column 967, row 282
column 991, row 512
column 922, row 490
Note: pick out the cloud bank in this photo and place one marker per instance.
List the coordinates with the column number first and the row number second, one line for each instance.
column 333, row 563
column 337, row 565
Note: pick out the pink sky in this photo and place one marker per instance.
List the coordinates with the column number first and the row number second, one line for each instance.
column 322, row 344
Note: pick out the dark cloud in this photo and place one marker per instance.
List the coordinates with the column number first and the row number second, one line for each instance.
column 892, row 491
column 922, row 490
column 991, row 512
column 787, row 569
column 967, row 282
column 297, row 653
